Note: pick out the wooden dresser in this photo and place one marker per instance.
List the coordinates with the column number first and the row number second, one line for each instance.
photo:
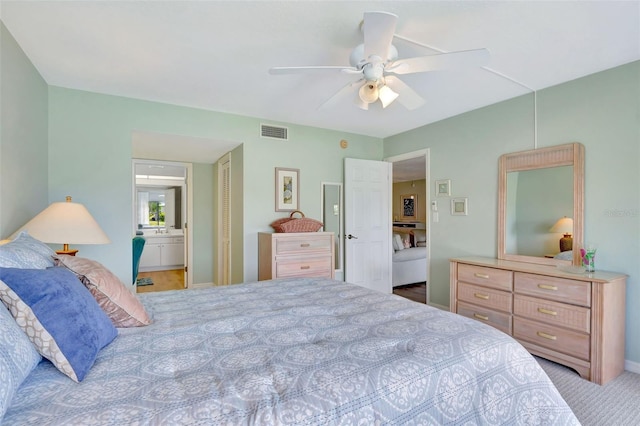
column 577, row 320
column 303, row 254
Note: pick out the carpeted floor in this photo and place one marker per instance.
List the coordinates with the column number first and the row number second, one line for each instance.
column 615, row 404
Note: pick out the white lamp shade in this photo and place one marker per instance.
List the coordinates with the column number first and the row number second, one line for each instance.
column 563, row 225
column 66, row 223
column 386, row 96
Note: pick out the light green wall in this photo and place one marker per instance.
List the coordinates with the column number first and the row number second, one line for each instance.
column 23, row 137
column 203, row 206
column 465, row 149
column 317, row 153
column 90, row 159
column 602, row 112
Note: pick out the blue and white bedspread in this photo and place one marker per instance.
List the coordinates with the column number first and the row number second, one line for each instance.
column 297, row 352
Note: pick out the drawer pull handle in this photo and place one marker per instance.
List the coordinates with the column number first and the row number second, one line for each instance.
column 482, row 317
column 548, row 287
column 305, row 245
column 481, row 296
column 305, row 267
column 479, row 275
column 547, row 311
column 546, row 335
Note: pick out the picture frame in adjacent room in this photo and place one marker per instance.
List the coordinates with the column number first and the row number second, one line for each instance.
column 443, row 188
column 409, row 206
column 460, row 206
column 287, row 189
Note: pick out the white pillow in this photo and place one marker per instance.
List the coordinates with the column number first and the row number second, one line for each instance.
column 397, row 242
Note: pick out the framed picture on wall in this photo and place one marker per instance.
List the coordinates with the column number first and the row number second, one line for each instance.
column 443, row 188
column 459, row 206
column 409, row 206
column 287, row 189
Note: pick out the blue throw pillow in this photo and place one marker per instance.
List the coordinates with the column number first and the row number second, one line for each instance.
column 26, row 252
column 18, row 358
column 61, row 318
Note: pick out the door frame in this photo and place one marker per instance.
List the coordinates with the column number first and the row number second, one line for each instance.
column 188, row 232
column 427, row 155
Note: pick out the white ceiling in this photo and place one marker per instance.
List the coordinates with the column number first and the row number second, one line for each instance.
column 216, row 55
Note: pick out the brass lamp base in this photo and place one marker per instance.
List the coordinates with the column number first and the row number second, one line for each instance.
column 66, row 250
column 69, row 252
column 566, row 243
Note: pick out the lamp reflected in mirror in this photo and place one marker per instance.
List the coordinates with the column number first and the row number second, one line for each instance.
column 564, row 226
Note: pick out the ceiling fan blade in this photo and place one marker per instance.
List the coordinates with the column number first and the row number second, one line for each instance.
column 301, row 70
column 378, row 28
column 407, row 97
column 343, row 93
column 463, row 58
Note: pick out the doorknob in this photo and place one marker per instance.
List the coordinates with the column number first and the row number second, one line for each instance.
column 352, row 237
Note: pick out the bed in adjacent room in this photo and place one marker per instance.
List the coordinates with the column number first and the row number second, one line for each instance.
column 409, row 258
column 293, row 351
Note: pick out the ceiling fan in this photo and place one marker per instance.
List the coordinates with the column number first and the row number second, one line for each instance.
column 377, row 63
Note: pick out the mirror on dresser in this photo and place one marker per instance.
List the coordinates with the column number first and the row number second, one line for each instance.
column 331, row 203
column 536, row 189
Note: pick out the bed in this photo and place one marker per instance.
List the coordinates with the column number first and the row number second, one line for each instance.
column 294, row 351
column 409, row 258
column 298, row 351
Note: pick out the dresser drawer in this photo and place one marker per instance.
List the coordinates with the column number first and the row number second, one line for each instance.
column 555, row 338
column 489, row 277
column 320, row 266
column 499, row 320
column 303, row 244
column 485, row 297
column 560, row 289
column 554, row 313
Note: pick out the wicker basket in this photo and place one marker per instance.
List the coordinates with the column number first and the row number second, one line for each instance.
column 296, row 224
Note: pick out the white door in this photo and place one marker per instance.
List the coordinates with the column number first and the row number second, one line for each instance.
column 368, row 212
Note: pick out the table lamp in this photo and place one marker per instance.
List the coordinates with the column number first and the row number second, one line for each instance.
column 565, row 226
column 66, row 223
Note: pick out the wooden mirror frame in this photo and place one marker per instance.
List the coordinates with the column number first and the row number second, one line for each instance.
column 555, row 156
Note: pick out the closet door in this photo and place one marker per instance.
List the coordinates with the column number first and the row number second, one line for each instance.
column 224, row 220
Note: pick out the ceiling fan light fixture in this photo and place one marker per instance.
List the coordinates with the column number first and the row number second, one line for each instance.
column 361, row 104
column 386, row 96
column 368, row 92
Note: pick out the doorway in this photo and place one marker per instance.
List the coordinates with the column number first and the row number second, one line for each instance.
column 411, row 222
column 162, row 204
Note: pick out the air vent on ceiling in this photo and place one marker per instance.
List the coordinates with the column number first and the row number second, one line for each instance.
column 274, row 132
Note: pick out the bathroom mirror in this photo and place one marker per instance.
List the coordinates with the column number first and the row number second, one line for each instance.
column 536, row 189
column 332, row 217
column 159, row 207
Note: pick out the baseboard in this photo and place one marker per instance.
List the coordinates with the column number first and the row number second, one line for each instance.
column 442, row 307
column 201, row 285
column 632, row 366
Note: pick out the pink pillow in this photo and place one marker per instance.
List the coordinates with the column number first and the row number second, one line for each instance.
column 121, row 306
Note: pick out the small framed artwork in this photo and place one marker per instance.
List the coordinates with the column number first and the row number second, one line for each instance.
column 459, row 206
column 287, row 189
column 443, row 188
column 409, row 206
